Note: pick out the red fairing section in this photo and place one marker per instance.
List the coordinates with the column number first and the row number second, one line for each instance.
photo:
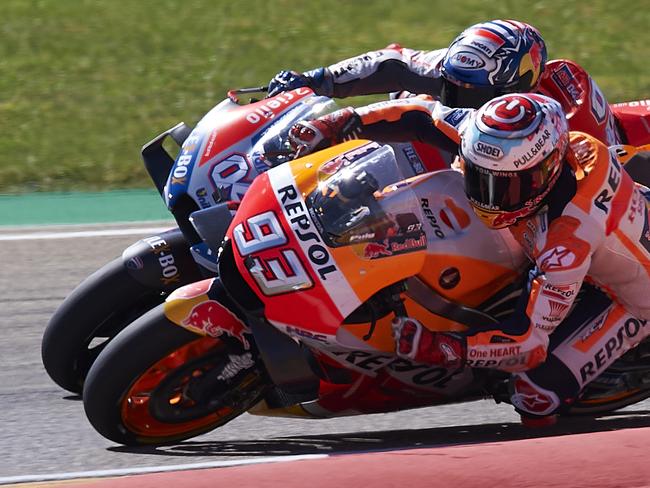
column 432, row 158
column 584, row 103
column 372, row 395
column 242, row 121
column 260, row 220
column 634, row 119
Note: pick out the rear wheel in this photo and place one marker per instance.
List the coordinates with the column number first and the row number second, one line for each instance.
column 624, row 383
column 87, row 320
column 158, row 383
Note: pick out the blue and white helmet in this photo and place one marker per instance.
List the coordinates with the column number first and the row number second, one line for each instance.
column 491, row 59
column 512, row 151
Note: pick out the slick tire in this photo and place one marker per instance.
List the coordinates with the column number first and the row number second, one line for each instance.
column 136, row 391
column 88, row 319
column 605, row 405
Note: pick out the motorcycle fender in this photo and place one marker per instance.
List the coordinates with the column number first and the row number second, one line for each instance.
column 162, row 262
column 204, row 308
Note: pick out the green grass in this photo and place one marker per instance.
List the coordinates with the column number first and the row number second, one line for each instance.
column 84, row 83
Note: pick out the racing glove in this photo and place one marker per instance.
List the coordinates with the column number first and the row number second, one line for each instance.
column 316, row 79
column 312, row 135
column 417, row 343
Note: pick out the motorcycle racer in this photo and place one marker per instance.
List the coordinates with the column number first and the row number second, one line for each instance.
column 578, row 215
column 486, row 60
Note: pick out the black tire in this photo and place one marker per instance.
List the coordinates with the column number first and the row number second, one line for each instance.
column 604, row 405
column 168, row 409
column 624, row 383
column 96, row 310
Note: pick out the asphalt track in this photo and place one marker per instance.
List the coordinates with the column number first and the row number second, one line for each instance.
column 44, row 434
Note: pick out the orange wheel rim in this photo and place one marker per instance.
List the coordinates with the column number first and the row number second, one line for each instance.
column 135, row 404
column 611, row 398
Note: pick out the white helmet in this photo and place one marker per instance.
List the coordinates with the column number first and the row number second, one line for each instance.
column 512, row 150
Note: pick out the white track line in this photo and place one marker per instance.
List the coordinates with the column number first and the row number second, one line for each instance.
column 28, row 236
column 108, row 473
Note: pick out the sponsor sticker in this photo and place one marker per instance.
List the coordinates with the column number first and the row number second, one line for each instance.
column 456, row 116
column 565, row 80
column 556, row 311
column 394, row 246
column 215, row 320
column 414, row 160
column 556, row 259
column 488, row 150
column 467, row 60
column 562, row 293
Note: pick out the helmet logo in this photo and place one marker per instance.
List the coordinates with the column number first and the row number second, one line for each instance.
column 467, row 60
column 511, row 114
column 488, row 150
column 486, row 40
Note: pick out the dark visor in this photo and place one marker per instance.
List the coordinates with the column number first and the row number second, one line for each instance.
column 508, row 190
column 456, row 96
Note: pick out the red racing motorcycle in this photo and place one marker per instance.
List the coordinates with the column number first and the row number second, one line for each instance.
column 322, row 254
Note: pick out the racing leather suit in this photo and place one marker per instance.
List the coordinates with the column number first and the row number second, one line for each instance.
column 398, row 69
column 594, row 227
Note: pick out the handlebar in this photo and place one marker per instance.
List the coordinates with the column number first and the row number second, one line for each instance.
column 233, row 94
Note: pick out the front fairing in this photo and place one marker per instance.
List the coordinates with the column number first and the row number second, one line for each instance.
column 308, row 279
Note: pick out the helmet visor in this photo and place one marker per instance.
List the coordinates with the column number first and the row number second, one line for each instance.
column 465, row 96
column 507, row 191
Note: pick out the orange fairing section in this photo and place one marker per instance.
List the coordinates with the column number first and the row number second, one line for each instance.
column 367, row 276
column 382, row 336
column 478, row 279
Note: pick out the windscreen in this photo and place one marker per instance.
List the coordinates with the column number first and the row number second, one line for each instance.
column 274, row 146
column 366, row 200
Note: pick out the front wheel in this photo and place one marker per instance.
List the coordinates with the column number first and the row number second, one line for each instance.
column 157, row 383
column 89, row 318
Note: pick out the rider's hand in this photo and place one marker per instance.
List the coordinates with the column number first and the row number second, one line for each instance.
column 312, row 135
column 286, row 80
column 415, row 342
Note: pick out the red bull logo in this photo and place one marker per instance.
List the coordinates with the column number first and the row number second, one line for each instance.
column 374, row 250
column 394, row 246
column 214, row 319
